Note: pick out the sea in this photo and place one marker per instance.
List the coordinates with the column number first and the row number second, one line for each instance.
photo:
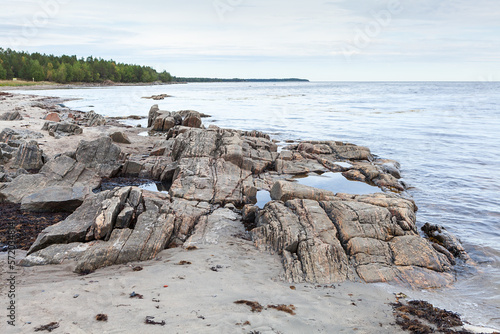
column 446, row 136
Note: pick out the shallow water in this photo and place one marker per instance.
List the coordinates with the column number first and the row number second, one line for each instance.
column 445, row 135
column 336, row 183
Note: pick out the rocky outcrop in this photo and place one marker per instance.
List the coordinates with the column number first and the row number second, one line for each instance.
column 119, row 226
column 321, row 236
column 372, row 236
column 162, row 120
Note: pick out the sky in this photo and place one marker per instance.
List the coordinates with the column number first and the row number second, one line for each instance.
column 320, row 40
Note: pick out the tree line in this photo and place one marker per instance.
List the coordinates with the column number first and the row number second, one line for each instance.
column 64, row 69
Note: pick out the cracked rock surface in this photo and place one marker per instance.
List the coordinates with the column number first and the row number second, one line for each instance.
column 214, row 176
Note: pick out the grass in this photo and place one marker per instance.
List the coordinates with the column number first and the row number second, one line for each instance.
column 18, row 83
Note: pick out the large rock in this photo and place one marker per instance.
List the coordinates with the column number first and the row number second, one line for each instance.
column 11, row 116
column 119, row 226
column 192, row 120
column 327, row 241
column 55, row 199
column 29, row 156
column 61, row 171
column 100, row 154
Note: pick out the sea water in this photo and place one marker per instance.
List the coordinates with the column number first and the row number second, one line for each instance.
column 446, row 135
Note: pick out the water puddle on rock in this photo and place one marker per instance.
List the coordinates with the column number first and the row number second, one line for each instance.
column 160, row 187
column 263, row 197
column 336, row 183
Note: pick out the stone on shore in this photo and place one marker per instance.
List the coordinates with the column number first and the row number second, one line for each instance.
column 11, row 116
column 55, row 199
column 120, row 137
column 29, row 156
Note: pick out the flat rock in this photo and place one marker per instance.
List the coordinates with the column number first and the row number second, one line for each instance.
column 55, row 199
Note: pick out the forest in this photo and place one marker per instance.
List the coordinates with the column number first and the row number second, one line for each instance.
column 64, row 69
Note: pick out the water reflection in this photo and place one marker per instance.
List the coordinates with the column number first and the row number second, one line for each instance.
column 336, row 183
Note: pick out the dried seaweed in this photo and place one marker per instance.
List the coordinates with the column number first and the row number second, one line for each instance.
column 256, row 307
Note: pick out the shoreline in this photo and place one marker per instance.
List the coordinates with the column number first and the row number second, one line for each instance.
column 307, row 298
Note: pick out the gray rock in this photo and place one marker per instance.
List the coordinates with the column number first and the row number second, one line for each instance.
column 29, row 156
column 92, row 118
column 55, row 199
column 61, row 171
column 11, row 116
column 62, row 128
column 100, row 154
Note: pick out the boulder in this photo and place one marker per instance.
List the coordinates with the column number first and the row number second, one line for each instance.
column 52, row 117
column 55, row 199
column 100, row 154
column 92, row 118
column 62, row 128
column 120, row 137
column 29, row 156
column 11, row 116
column 192, row 120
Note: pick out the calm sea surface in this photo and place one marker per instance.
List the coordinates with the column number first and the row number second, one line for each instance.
column 445, row 135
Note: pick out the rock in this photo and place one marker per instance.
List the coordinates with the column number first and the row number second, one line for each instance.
column 8, row 136
column 218, row 225
column 120, row 137
column 153, row 114
column 52, row 117
column 11, row 116
column 62, row 128
column 285, row 190
column 29, row 156
column 192, row 120
column 60, row 171
column 92, row 118
column 306, row 238
column 119, row 226
column 438, row 235
column 100, row 154
column 157, row 97
column 359, row 237
column 55, row 199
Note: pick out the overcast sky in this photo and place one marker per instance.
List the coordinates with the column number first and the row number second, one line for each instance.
column 314, row 39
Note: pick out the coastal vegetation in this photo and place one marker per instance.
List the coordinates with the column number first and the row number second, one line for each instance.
column 37, row 67
column 63, row 69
